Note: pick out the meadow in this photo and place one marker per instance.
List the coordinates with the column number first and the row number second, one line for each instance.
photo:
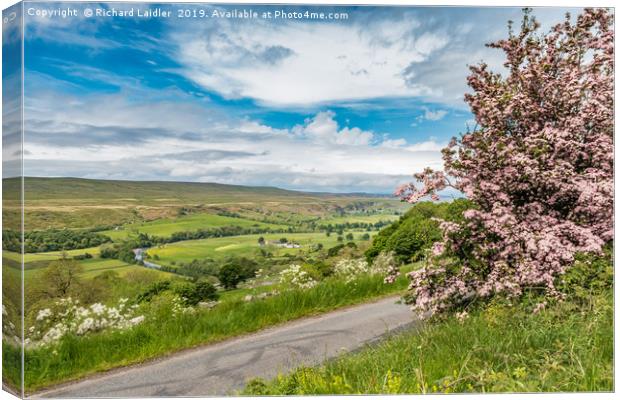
column 90, row 268
column 244, row 245
column 167, row 226
column 126, row 212
column 359, row 218
column 48, row 256
column 515, row 281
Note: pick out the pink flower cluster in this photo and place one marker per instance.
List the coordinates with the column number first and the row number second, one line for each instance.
column 539, row 167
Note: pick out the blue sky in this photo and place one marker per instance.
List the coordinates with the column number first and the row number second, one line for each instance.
column 349, row 105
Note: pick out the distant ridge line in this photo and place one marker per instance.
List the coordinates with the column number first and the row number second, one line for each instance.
column 226, row 185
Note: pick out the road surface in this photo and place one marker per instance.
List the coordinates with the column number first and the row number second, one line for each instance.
column 225, row 367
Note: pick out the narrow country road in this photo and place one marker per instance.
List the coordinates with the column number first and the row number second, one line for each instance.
column 225, row 367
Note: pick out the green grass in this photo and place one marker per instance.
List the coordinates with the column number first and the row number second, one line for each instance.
column 166, row 227
column 96, row 266
column 48, row 256
column 245, row 245
column 77, row 357
column 374, row 218
column 36, row 263
column 564, row 348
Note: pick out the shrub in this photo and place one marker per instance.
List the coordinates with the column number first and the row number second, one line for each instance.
column 296, row 277
column 333, row 251
column 324, row 269
column 153, row 290
column 413, row 234
column 386, row 264
column 591, row 275
column 230, row 275
column 84, row 256
column 52, row 240
column 193, row 293
column 66, row 316
column 350, row 269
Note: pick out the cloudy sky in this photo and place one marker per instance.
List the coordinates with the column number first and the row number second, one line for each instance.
column 344, row 106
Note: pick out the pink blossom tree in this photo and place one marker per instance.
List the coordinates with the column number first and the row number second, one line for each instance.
column 538, row 167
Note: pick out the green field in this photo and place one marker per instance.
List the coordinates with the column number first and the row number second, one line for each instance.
column 48, row 256
column 96, row 266
column 168, row 226
column 246, row 245
column 35, row 262
column 361, row 218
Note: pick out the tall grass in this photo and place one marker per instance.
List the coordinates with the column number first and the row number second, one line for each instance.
column 76, row 357
column 567, row 347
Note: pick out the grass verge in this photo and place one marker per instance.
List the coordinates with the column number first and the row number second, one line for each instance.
column 567, row 347
column 76, row 357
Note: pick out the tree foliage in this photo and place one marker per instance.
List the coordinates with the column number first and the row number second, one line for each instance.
column 236, row 270
column 60, row 278
column 539, row 166
column 414, row 233
column 52, row 240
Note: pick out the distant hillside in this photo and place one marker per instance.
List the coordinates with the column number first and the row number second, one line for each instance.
column 88, row 203
column 78, row 188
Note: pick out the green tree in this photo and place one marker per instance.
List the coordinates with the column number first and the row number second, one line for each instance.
column 194, row 293
column 416, row 231
column 230, row 275
column 60, row 277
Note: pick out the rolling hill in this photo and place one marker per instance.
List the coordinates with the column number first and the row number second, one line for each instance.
column 88, row 203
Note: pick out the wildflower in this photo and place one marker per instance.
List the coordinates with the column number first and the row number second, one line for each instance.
column 136, row 320
column 294, row 276
column 539, row 307
column 351, row 269
column 46, row 312
column 97, row 308
column 462, row 316
column 67, row 316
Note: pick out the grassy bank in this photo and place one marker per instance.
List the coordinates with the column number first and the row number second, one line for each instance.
column 76, row 357
column 567, row 347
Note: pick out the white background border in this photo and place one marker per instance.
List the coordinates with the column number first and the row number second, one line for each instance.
column 479, row 3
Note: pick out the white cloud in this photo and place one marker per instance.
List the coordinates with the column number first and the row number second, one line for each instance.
column 192, row 142
column 434, row 115
column 306, row 63
column 410, row 53
column 393, row 143
column 429, row 145
column 429, row 115
column 323, row 128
